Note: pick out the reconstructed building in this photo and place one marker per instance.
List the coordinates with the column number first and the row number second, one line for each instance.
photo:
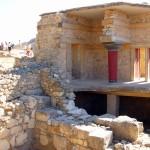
column 103, row 48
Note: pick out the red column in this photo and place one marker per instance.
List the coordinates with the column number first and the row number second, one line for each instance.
column 112, row 65
column 137, row 64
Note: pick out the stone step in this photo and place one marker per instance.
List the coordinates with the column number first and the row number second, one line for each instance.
column 123, row 127
column 88, row 136
column 37, row 91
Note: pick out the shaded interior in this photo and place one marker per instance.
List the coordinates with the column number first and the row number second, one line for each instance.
column 137, row 107
column 93, row 103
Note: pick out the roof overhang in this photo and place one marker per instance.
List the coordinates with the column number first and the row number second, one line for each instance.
column 97, row 12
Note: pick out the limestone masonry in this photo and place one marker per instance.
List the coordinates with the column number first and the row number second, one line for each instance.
column 95, row 49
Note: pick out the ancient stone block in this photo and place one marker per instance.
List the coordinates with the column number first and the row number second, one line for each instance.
column 126, row 128
column 100, row 139
column 42, row 116
column 59, row 142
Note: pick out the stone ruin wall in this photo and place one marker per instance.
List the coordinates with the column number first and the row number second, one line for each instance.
column 33, row 119
column 21, row 96
column 140, row 29
column 59, row 33
column 83, row 33
column 37, row 106
column 68, row 127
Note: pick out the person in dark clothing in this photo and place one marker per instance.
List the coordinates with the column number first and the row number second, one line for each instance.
column 9, row 47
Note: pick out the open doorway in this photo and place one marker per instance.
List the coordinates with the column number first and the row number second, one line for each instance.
column 142, row 63
column 139, row 64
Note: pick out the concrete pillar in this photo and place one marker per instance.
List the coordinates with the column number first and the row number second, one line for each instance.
column 137, row 64
column 112, row 65
column 147, row 64
column 113, row 104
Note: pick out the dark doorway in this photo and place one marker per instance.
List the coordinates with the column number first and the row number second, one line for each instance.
column 94, row 103
column 136, row 107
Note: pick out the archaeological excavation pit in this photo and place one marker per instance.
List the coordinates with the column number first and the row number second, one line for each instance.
column 136, row 107
column 94, row 103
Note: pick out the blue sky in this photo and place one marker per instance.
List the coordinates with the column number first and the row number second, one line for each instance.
column 19, row 17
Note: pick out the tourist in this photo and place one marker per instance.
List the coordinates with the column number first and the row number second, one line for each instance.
column 9, row 47
column 2, row 46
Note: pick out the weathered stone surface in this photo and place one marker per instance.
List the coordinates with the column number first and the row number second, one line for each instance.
column 31, row 123
column 4, row 145
column 59, row 142
column 126, row 128
column 2, row 112
column 100, row 139
column 15, row 130
column 11, row 122
column 118, row 146
column 12, row 141
column 105, row 120
column 43, row 140
column 4, row 132
column 42, row 116
column 144, row 139
column 21, row 138
column 31, row 102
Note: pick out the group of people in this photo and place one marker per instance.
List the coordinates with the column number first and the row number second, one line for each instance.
column 6, row 46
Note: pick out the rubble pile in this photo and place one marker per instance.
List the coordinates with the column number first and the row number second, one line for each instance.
column 37, row 111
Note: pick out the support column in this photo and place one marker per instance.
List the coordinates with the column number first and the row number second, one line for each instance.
column 112, row 48
column 113, row 104
column 147, row 64
column 112, row 65
column 137, row 64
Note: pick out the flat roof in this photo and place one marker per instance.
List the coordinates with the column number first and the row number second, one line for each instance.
column 97, row 11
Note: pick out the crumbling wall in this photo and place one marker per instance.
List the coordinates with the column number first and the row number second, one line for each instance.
column 73, row 30
column 49, row 47
column 20, row 97
column 17, row 119
column 68, row 127
column 35, row 121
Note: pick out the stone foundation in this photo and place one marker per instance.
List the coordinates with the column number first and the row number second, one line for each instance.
column 37, row 111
